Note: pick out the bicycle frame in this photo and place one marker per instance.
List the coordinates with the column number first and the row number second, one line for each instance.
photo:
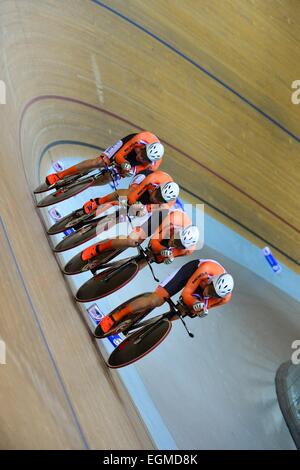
column 174, row 311
column 143, row 255
column 118, row 265
column 69, row 181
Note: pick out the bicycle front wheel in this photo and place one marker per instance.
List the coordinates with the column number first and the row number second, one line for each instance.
column 140, row 343
column 107, row 282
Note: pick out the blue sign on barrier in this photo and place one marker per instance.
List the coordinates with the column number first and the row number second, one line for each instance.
column 58, row 166
column 54, row 214
column 95, row 314
column 115, row 340
column 69, row 231
column 271, row 260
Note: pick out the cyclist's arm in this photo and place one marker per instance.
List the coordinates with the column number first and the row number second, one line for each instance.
column 213, row 302
column 174, row 221
column 191, row 286
column 147, row 166
column 159, row 207
column 165, row 232
column 130, row 142
column 161, row 233
column 136, row 191
column 182, row 252
column 112, row 197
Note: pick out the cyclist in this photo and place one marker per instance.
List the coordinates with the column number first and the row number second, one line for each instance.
column 205, row 285
column 149, row 191
column 132, row 154
column 175, row 236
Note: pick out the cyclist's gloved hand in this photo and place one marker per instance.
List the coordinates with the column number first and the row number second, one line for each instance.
column 126, row 168
column 200, row 309
column 167, row 255
column 90, row 206
column 52, row 179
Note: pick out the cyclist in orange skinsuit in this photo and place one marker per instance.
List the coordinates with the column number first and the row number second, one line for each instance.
column 132, row 154
column 146, row 190
column 175, row 236
column 205, row 285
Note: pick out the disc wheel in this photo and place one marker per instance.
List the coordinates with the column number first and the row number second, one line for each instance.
column 67, row 222
column 138, row 344
column 81, row 235
column 106, row 282
column 65, row 193
column 42, row 188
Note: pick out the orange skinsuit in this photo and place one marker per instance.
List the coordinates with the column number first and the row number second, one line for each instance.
column 174, row 221
column 196, row 284
column 141, row 191
column 120, row 150
column 136, row 141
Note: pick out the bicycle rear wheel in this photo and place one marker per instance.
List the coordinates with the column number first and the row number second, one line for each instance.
column 81, row 235
column 99, row 286
column 140, row 343
column 76, row 265
column 86, row 233
column 42, row 188
column 65, row 193
column 69, row 221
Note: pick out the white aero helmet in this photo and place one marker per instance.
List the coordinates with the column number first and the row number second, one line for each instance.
column 223, row 284
column 189, row 236
column 155, row 151
column 169, row 191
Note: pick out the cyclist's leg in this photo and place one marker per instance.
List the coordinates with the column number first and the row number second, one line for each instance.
column 114, row 196
column 90, row 164
column 134, row 238
column 140, row 304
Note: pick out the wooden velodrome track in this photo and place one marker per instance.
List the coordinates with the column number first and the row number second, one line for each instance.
column 213, row 80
